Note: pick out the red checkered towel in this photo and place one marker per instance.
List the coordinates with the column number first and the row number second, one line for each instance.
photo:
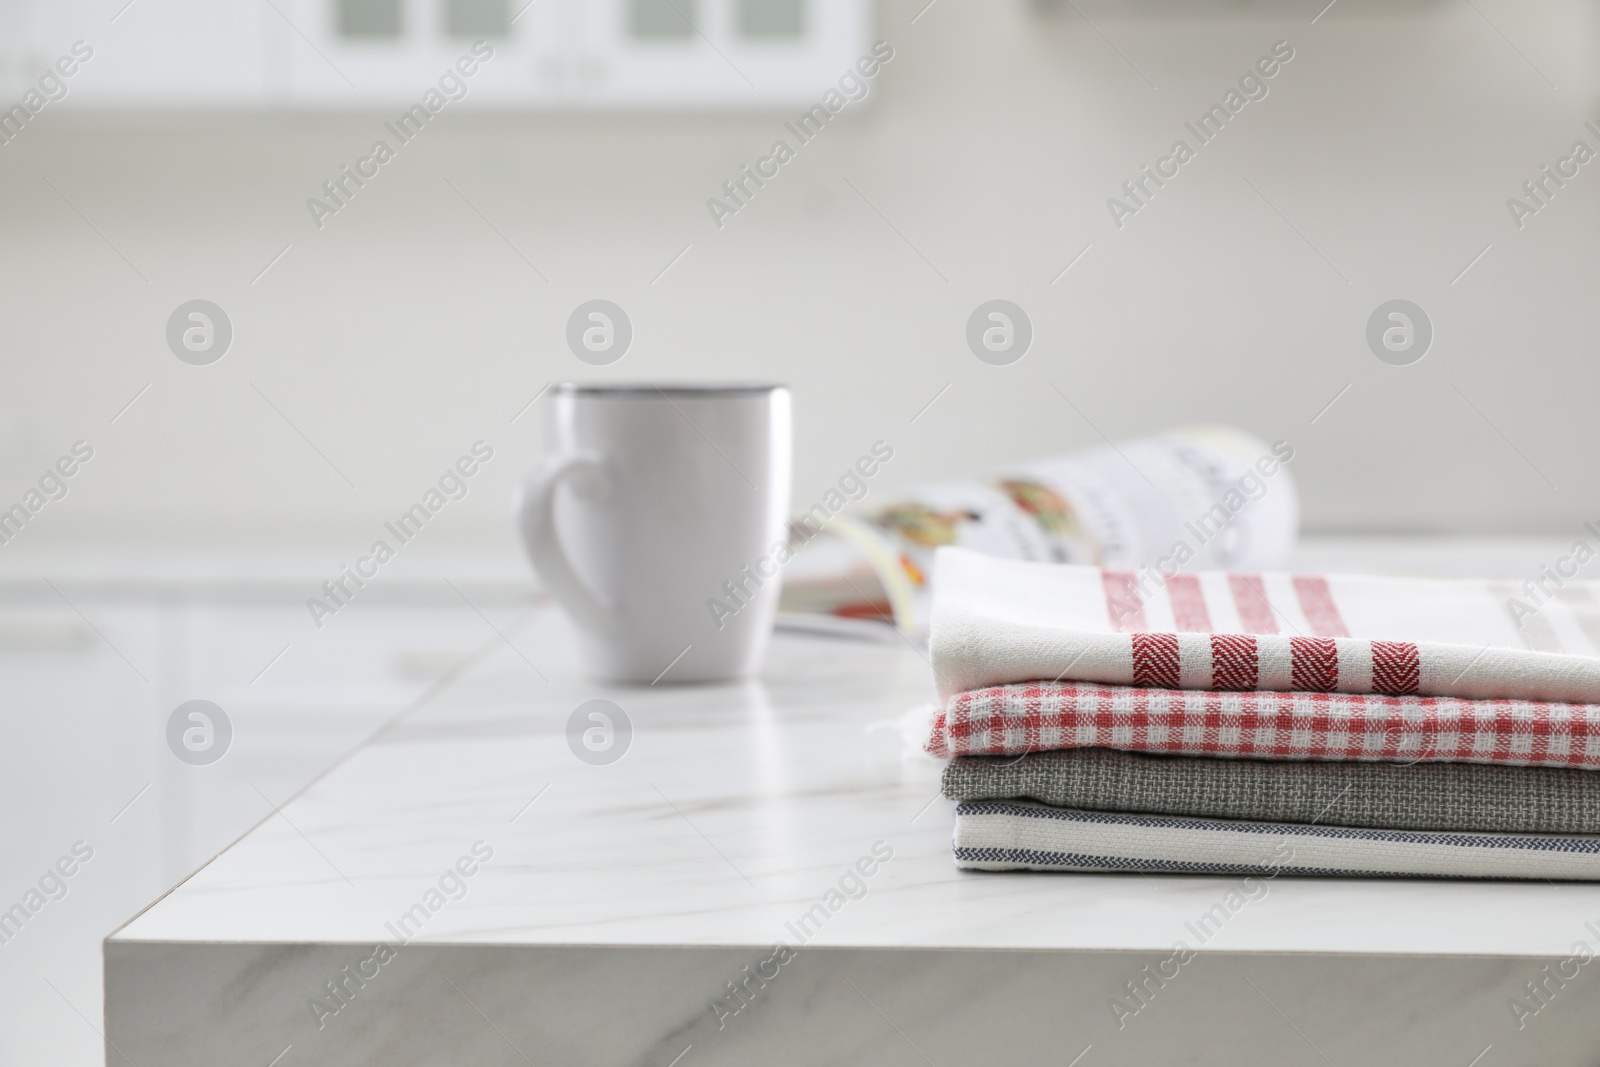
column 1013, row 719
column 998, row 621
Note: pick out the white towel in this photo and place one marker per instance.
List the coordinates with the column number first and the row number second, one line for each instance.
column 998, row 621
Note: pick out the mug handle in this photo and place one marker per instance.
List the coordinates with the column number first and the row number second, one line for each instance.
column 535, row 508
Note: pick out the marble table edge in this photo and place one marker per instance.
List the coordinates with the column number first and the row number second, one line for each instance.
column 412, row 707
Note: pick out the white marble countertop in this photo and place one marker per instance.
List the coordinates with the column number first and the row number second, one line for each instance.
column 735, row 810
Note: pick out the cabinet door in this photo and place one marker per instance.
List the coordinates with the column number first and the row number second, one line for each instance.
column 441, row 54
column 80, row 755
column 297, row 698
column 87, row 692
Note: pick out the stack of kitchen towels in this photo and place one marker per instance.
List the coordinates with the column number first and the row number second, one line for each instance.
column 1098, row 720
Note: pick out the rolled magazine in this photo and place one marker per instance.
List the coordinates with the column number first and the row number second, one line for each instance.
column 1196, row 498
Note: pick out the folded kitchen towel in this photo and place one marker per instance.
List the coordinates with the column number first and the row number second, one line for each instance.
column 1386, row 796
column 1003, row 835
column 997, row 621
column 1009, row 720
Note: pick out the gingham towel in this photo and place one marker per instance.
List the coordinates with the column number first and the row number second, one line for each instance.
column 1005, row 835
column 1385, row 796
column 997, row 621
column 1009, row 720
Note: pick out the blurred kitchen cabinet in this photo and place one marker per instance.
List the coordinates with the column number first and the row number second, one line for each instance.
column 87, row 689
column 358, row 54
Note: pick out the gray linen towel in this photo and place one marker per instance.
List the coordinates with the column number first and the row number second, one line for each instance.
column 1422, row 796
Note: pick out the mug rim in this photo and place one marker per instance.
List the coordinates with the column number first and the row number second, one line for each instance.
column 670, row 389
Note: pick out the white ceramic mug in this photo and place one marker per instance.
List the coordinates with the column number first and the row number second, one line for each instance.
column 651, row 509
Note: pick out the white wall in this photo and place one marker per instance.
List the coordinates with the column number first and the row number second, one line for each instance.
column 407, row 328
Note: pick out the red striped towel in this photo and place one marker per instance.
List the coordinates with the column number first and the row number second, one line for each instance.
column 999, row 621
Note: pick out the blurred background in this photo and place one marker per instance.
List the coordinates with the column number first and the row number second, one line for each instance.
column 429, row 311
column 370, row 346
